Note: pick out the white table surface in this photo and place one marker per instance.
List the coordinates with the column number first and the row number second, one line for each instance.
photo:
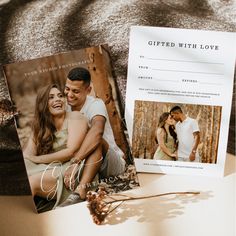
column 213, row 212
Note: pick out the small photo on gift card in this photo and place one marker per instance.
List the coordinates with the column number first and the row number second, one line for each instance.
column 70, row 129
column 176, row 132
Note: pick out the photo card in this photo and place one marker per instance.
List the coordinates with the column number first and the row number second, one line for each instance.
column 69, row 125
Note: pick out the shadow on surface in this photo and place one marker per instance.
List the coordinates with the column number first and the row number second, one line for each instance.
column 155, row 209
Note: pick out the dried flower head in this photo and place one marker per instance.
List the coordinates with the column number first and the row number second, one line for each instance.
column 98, row 208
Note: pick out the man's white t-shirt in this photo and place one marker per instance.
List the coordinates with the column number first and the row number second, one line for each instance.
column 93, row 107
column 185, row 130
column 114, row 163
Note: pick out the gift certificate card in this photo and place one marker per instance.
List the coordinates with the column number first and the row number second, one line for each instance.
column 178, row 99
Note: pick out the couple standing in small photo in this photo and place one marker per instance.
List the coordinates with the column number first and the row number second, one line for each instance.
column 178, row 137
column 72, row 128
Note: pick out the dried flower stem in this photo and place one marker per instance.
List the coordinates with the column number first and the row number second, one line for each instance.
column 100, row 208
column 115, row 207
column 151, row 196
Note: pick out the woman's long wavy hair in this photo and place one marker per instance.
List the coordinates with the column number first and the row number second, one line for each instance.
column 161, row 124
column 43, row 126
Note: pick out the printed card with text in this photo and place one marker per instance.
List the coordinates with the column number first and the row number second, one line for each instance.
column 178, row 99
column 61, row 130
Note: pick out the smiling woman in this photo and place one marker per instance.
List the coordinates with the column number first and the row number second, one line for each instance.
column 48, row 117
column 56, row 102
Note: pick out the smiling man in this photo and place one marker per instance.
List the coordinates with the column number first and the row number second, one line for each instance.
column 77, row 90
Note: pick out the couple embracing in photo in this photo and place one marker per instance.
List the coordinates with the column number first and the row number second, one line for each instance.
column 71, row 129
column 178, row 137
